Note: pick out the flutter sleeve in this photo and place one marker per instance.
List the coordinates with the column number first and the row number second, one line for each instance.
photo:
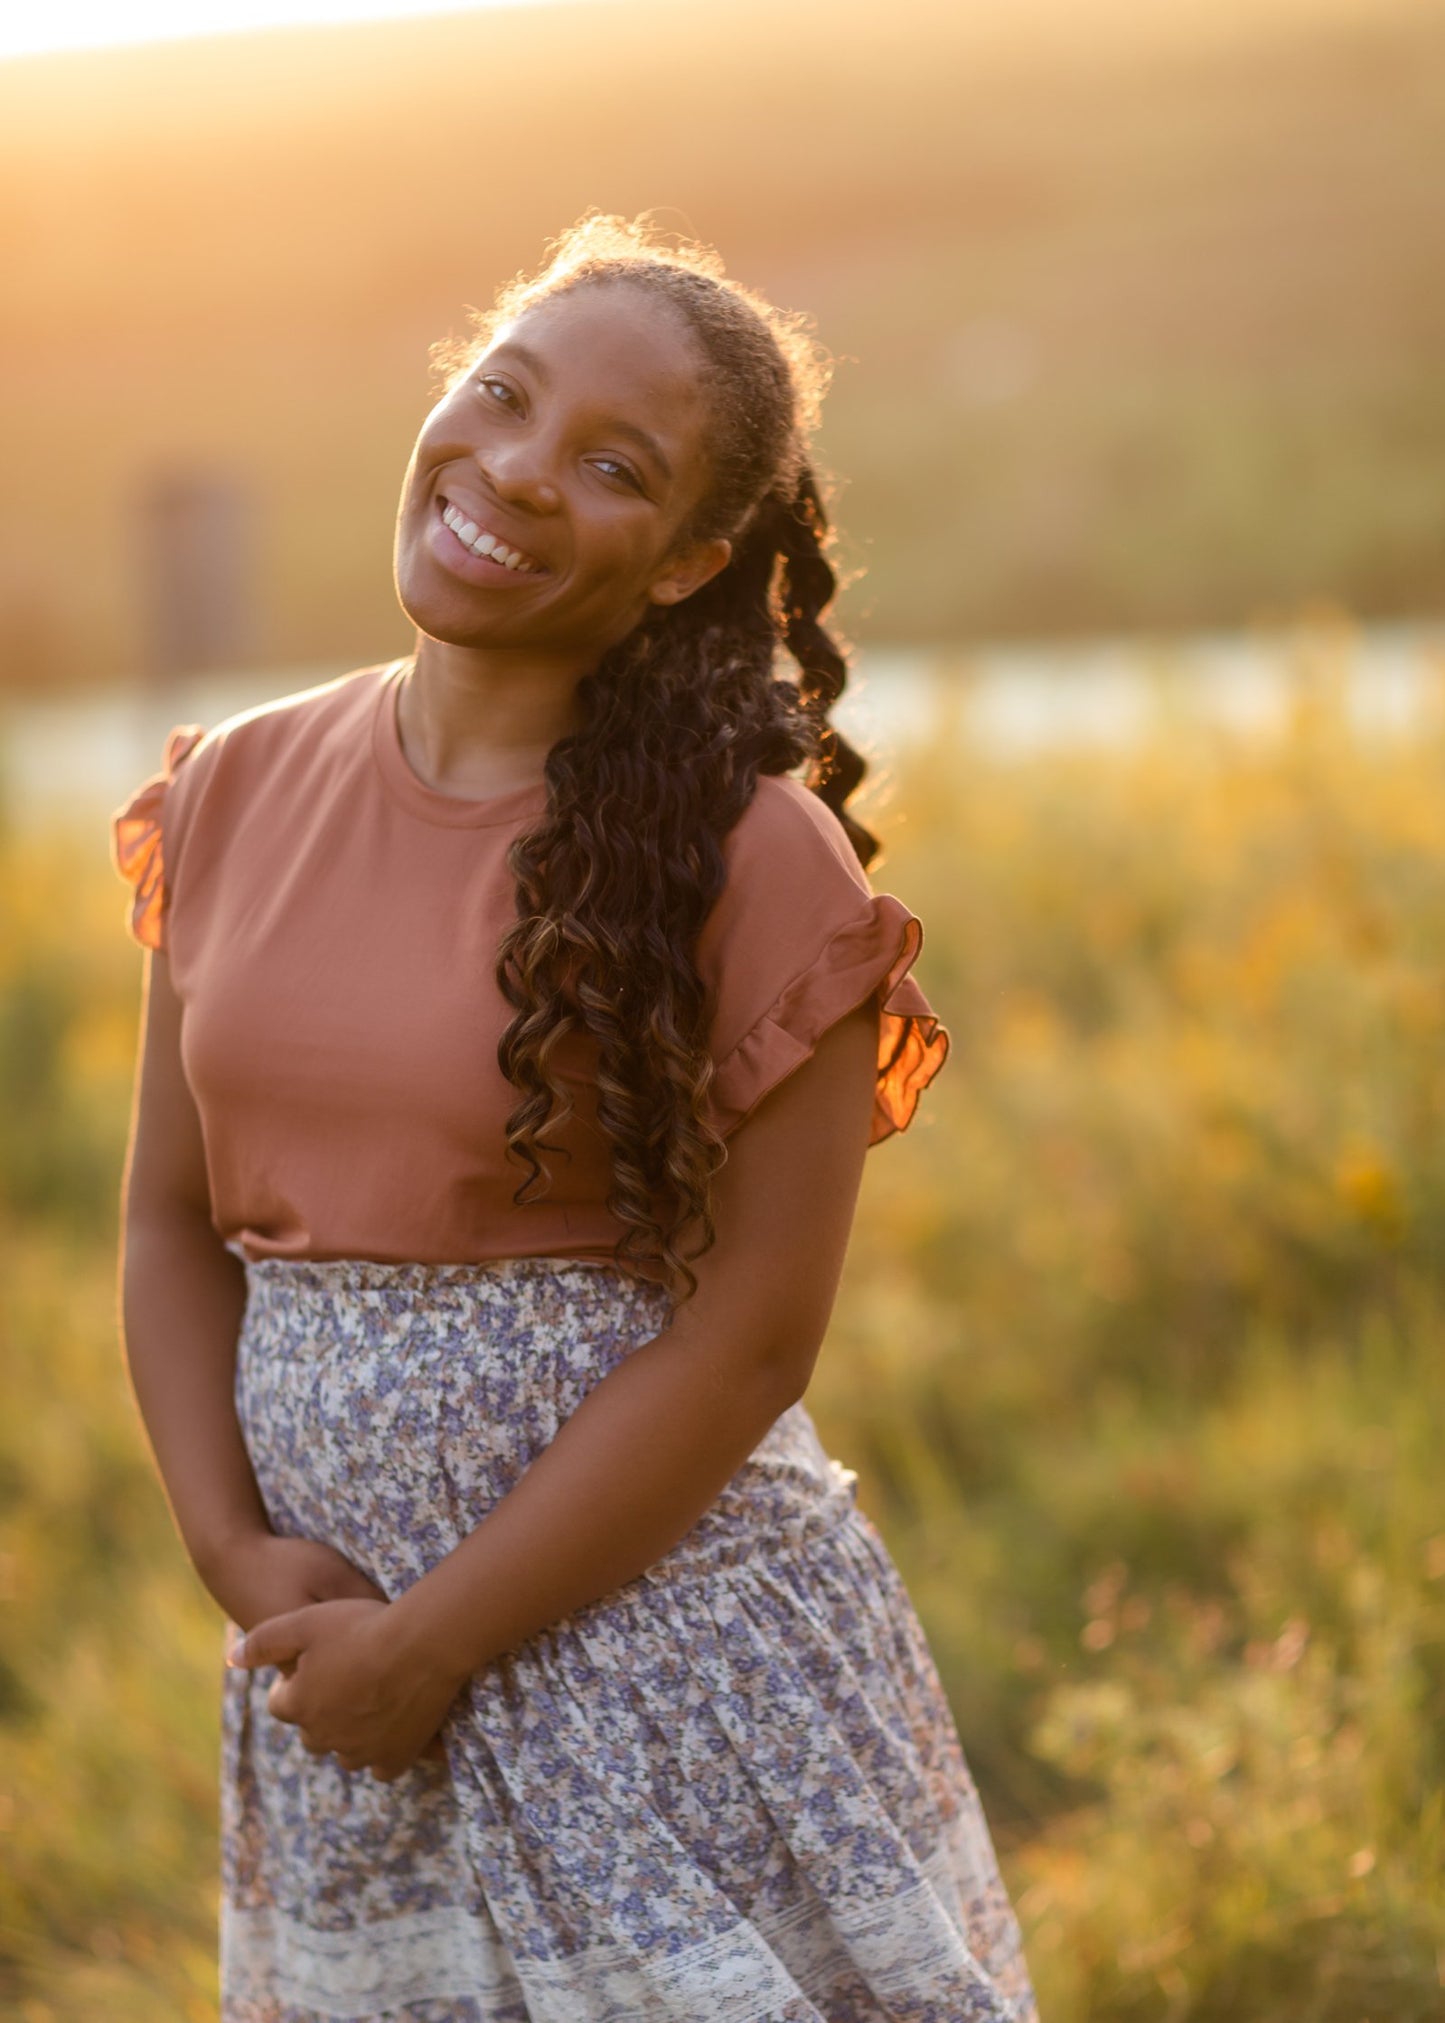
column 796, row 941
column 138, row 841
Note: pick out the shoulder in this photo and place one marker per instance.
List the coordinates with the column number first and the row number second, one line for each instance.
column 227, row 784
column 791, row 879
column 310, row 720
column 788, row 832
column 798, row 939
column 235, row 780
column 283, row 746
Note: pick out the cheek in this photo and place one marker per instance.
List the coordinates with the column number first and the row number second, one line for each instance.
column 617, row 544
column 625, row 574
column 436, row 439
column 413, row 485
column 408, row 482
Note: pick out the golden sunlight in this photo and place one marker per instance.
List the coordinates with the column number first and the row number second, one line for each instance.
column 90, row 24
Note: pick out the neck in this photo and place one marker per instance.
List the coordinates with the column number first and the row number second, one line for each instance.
column 480, row 722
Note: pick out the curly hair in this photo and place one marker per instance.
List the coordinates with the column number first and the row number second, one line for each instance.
column 677, row 721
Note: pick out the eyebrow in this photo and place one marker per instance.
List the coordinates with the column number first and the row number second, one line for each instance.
column 630, row 429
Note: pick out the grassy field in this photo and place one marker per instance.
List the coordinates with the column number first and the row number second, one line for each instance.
column 1137, row 1357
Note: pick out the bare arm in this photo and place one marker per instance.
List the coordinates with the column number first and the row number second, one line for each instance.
column 657, row 1440
column 182, row 1296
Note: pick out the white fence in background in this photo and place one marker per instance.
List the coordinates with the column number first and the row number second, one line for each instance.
column 77, row 759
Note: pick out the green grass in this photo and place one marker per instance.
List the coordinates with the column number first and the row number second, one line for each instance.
column 1137, row 1356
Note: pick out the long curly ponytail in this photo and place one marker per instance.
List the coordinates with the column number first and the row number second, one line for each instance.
column 675, row 725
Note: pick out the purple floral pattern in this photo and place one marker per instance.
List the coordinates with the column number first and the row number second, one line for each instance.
column 731, row 1790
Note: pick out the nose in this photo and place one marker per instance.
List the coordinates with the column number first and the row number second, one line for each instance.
column 519, row 473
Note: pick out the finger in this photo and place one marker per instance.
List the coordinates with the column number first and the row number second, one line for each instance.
column 280, row 1703
column 271, row 1642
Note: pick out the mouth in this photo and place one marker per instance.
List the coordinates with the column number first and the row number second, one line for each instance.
column 464, row 536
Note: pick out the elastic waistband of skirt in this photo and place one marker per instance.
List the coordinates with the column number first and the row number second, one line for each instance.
column 322, row 1273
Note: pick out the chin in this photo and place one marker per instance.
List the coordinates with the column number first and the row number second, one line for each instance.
column 450, row 627
column 442, row 617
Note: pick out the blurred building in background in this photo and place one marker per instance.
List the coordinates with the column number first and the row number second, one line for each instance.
column 195, row 566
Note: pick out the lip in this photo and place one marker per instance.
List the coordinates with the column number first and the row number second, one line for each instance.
column 455, row 556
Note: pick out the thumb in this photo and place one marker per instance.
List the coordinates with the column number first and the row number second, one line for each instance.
column 275, row 1641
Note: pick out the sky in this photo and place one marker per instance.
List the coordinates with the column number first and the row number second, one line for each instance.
column 89, row 24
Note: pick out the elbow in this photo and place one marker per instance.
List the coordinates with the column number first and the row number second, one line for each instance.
column 770, row 1367
column 789, row 1360
column 793, row 1385
column 757, row 1331
column 148, row 1223
column 155, row 1235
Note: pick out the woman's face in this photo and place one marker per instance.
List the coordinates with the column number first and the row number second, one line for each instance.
column 578, row 441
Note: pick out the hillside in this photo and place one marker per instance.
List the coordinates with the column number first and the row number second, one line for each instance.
column 1138, row 320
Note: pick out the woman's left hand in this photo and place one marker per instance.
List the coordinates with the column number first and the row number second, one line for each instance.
column 346, row 1685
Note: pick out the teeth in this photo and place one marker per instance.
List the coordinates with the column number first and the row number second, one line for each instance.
column 472, row 537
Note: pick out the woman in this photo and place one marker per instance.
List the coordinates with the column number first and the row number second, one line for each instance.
column 516, row 1025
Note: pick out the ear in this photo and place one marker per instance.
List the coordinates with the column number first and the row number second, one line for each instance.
column 690, row 570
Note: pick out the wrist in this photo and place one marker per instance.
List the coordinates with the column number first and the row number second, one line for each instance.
column 211, row 1553
column 426, row 1641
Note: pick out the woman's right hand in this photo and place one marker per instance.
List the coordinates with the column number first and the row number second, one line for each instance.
column 263, row 1574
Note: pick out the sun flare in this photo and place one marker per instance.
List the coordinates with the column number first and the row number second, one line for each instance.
column 94, row 24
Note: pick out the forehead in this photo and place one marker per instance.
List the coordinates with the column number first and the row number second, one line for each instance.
column 611, row 344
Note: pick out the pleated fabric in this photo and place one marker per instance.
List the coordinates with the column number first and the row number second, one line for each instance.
column 729, row 1792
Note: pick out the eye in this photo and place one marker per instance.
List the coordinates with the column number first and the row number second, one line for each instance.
column 486, row 380
column 624, row 471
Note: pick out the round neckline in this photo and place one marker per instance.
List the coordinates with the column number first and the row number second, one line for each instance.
column 445, row 810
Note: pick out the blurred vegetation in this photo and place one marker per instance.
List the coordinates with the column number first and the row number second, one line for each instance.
column 110, row 1650
column 1137, row 1357
column 1138, row 309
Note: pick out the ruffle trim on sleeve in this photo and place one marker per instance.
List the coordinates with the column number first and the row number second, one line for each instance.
column 136, row 840
column 871, row 954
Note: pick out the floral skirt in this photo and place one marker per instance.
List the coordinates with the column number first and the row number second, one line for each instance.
column 730, row 1791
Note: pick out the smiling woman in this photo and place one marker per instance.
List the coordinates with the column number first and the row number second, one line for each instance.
column 519, row 1015
column 567, row 462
